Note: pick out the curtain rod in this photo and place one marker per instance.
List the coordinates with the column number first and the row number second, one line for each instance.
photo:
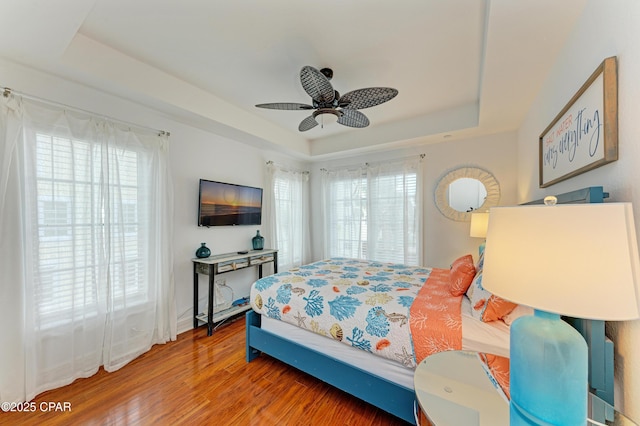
column 286, row 168
column 6, row 91
column 353, row 167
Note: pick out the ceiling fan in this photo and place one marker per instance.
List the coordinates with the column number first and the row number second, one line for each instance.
column 327, row 101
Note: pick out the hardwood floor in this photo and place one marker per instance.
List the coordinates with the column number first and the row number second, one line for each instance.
column 201, row 380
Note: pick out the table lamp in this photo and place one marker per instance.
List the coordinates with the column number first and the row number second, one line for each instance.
column 478, row 228
column 579, row 260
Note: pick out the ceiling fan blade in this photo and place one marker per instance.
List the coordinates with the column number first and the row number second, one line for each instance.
column 316, row 85
column 365, row 98
column 353, row 118
column 291, row 106
column 308, row 123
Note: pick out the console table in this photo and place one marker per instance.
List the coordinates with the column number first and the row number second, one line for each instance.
column 220, row 264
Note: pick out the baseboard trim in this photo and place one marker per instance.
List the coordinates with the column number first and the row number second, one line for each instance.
column 185, row 324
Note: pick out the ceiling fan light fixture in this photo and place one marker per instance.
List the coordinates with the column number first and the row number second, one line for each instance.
column 326, row 116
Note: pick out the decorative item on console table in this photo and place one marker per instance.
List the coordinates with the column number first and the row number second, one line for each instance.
column 258, row 241
column 203, row 251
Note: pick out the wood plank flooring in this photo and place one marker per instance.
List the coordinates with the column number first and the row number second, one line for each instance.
column 202, row 380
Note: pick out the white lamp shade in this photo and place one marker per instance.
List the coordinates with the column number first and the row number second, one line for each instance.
column 579, row 260
column 479, row 222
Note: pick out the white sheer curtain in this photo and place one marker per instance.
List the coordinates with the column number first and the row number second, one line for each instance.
column 395, row 212
column 374, row 211
column 345, row 212
column 87, row 268
column 287, row 214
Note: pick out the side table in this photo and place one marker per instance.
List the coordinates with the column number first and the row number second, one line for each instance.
column 453, row 388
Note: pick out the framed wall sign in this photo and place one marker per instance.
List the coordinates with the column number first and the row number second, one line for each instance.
column 584, row 135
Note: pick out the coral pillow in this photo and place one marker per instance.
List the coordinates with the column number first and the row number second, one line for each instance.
column 486, row 306
column 461, row 275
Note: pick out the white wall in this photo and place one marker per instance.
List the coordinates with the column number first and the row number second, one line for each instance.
column 194, row 154
column 444, row 239
column 610, row 28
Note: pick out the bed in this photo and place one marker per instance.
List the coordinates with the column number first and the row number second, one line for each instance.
column 306, row 317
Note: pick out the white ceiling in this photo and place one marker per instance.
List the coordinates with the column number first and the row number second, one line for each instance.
column 462, row 67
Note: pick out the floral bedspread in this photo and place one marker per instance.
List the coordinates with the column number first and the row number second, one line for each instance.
column 359, row 303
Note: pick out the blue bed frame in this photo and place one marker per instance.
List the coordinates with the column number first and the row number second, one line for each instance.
column 399, row 400
column 388, row 396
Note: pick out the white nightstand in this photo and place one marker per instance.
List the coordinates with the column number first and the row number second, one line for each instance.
column 453, row 389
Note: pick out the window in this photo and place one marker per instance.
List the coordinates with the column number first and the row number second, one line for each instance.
column 287, row 203
column 86, row 225
column 54, row 217
column 373, row 212
column 348, row 230
column 284, row 197
column 75, row 216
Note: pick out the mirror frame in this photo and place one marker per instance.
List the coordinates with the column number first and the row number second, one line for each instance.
column 486, row 178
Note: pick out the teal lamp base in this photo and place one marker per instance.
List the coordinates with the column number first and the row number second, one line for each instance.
column 548, row 372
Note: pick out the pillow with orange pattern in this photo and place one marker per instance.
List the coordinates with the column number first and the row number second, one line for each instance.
column 461, row 275
column 486, row 306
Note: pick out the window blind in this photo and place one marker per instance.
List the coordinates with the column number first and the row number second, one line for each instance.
column 374, row 212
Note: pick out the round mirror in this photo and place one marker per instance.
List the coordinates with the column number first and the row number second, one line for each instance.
column 465, row 190
column 466, row 194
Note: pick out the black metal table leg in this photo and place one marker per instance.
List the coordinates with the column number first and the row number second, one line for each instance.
column 195, row 295
column 210, row 307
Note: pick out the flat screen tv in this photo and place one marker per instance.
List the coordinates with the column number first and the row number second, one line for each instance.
column 224, row 204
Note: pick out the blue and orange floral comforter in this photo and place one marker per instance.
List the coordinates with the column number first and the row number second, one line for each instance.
column 360, row 303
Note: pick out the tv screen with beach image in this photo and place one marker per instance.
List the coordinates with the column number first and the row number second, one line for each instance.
column 228, row 204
